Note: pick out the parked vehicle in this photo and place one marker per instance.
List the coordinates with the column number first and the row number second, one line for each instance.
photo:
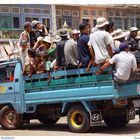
column 86, row 99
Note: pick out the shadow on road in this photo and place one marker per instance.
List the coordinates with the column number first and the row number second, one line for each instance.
column 38, row 127
column 102, row 129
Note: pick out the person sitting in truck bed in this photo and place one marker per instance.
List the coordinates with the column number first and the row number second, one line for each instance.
column 100, row 43
column 71, row 51
column 43, row 44
column 22, row 52
column 83, row 49
column 30, row 65
column 125, row 64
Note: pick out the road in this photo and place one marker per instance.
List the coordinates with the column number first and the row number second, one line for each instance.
column 35, row 128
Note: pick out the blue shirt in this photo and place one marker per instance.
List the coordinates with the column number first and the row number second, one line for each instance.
column 83, row 49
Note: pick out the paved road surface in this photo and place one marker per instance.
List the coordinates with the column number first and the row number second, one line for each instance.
column 61, row 129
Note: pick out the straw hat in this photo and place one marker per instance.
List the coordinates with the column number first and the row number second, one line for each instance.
column 40, row 38
column 75, row 31
column 101, row 22
column 119, row 34
column 35, row 22
column 133, row 29
column 63, row 32
column 138, row 35
column 47, row 39
column 56, row 38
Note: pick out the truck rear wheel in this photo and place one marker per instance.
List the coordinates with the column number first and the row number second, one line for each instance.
column 78, row 119
column 47, row 121
column 9, row 119
column 116, row 121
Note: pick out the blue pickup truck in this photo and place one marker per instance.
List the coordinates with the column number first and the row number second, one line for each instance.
column 87, row 100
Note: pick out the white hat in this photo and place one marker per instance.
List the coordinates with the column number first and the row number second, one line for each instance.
column 101, row 22
column 119, row 34
column 75, row 31
column 63, row 32
column 56, row 38
column 133, row 29
column 47, row 39
column 35, row 22
column 138, row 35
column 40, row 38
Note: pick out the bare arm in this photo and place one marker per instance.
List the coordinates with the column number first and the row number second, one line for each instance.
column 91, row 51
column 36, row 45
column 102, row 68
column 25, row 36
column 109, row 49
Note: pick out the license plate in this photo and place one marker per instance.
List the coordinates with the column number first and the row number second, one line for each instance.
column 136, row 103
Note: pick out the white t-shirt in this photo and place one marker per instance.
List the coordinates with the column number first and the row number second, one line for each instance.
column 23, row 56
column 99, row 40
column 124, row 63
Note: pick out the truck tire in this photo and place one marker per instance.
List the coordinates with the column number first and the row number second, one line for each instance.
column 9, row 119
column 78, row 119
column 47, row 121
column 116, row 121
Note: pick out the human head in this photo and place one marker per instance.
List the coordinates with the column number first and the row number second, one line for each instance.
column 47, row 40
column 44, row 55
column 36, row 24
column 110, row 27
column 31, row 53
column 84, row 28
column 23, row 44
column 119, row 35
column 133, row 32
column 56, row 38
column 123, row 46
column 101, row 23
column 27, row 26
column 37, row 57
column 63, row 33
column 75, row 34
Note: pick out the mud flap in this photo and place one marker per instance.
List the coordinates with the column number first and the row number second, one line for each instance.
column 96, row 117
column 131, row 113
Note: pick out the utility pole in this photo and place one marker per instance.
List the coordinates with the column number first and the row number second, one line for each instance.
column 53, row 19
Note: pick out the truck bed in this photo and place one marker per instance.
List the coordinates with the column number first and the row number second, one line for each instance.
column 69, row 85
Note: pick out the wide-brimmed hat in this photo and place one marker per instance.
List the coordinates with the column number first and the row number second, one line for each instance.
column 133, row 29
column 123, row 46
column 63, row 32
column 101, row 22
column 40, row 38
column 56, row 38
column 75, row 31
column 47, row 39
column 138, row 35
column 35, row 22
column 119, row 34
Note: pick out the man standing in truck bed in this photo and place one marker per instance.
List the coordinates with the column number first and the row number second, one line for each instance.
column 100, row 43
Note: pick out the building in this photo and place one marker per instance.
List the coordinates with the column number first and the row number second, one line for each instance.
column 124, row 16
column 90, row 13
column 68, row 13
column 13, row 17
